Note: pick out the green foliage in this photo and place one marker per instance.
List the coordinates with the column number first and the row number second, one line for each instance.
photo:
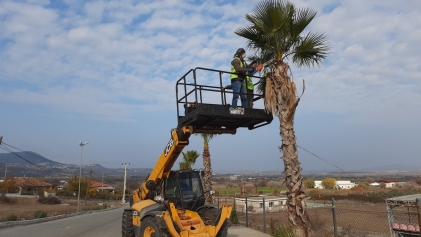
column 309, row 183
column 189, row 159
column 277, row 30
column 234, row 217
column 40, row 214
column 362, row 185
column 329, row 183
column 9, row 218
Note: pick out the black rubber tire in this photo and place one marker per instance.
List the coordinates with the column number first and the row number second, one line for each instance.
column 150, row 228
column 127, row 229
column 209, row 215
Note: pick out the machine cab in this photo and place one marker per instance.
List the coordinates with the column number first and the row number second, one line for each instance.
column 184, row 189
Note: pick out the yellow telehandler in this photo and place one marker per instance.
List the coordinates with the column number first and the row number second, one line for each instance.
column 172, row 203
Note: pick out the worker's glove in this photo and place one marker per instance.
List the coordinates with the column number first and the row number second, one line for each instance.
column 250, row 69
column 259, row 67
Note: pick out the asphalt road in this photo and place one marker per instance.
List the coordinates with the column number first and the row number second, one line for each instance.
column 104, row 224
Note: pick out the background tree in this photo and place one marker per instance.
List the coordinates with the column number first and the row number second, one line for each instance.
column 207, row 167
column 277, row 33
column 73, row 185
column 262, row 183
column 369, row 180
column 309, row 183
column 329, row 183
column 8, row 185
column 189, row 159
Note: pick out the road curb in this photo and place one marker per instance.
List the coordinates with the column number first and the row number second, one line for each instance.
column 51, row 218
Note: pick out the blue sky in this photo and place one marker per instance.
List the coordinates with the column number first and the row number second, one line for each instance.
column 105, row 72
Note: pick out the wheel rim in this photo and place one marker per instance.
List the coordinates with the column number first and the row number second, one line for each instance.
column 149, row 231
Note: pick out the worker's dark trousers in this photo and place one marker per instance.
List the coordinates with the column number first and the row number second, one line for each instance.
column 250, row 97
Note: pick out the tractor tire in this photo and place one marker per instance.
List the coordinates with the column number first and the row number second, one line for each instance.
column 127, row 229
column 149, row 227
column 209, row 215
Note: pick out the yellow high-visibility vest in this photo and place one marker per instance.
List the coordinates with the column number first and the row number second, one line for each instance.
column 234, row 74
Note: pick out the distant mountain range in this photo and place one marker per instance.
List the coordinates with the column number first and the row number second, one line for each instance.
column 35, row 165
column 31, row 164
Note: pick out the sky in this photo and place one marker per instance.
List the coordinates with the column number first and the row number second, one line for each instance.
column 104, row 72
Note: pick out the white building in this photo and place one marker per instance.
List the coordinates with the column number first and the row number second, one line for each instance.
column 234, row 177
column 255, row 204
column 344, row 184
column 340, row 184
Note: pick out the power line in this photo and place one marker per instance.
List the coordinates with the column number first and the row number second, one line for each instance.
column 38, row 166
column 322, row 159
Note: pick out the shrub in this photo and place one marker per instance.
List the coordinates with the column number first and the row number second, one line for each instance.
column 49, row 200
column 9, row 218
column 40, row 214
column 279, row 230
column 5, row 199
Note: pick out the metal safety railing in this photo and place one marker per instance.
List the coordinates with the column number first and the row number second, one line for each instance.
column 191, row 87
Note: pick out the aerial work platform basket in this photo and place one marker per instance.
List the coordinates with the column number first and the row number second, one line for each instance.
column 202, row 103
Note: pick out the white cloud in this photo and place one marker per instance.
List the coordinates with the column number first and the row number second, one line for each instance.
column 135, row 50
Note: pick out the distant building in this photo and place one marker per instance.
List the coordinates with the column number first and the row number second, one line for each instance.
column 102, row 187
column 390, row 183
column 375, row 184
column 344, row 184
column 49, row 193
column 234, row 177
column 340, row 184
column 255, row 204
column 30, row 186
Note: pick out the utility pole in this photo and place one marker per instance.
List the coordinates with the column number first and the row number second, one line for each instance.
column 5, row 176
column 102, row 184
column 124, row 186
column 5, row 173
column 81, row 144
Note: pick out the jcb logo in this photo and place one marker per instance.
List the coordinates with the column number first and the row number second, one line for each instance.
column 168, row 148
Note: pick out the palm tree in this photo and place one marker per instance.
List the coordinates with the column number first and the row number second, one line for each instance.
column 207, row 168
column 189, row 158
column 276, row 34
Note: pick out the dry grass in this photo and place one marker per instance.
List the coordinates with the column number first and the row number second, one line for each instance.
column 24, row 208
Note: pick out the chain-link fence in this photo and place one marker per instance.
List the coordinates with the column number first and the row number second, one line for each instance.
column 328, row 219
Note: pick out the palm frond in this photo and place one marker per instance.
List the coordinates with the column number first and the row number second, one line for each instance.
column 310, row 51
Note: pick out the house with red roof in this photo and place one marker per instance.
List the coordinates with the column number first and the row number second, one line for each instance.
column 102, row 187
column 30, row 186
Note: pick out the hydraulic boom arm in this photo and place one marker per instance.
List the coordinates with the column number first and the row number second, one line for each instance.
column 179, row 139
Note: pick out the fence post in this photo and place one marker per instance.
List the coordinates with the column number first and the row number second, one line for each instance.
column 247, row 215
column 264, row 216
column 419, row 212
column 335, row 228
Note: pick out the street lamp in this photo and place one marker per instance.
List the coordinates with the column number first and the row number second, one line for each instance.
column 81, row 144
column 123, row 200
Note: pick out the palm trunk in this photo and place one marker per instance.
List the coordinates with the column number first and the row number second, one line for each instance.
column 281, row 100
column 207, row 179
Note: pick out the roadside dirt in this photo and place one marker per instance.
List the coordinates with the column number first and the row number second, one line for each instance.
column 25, row 208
